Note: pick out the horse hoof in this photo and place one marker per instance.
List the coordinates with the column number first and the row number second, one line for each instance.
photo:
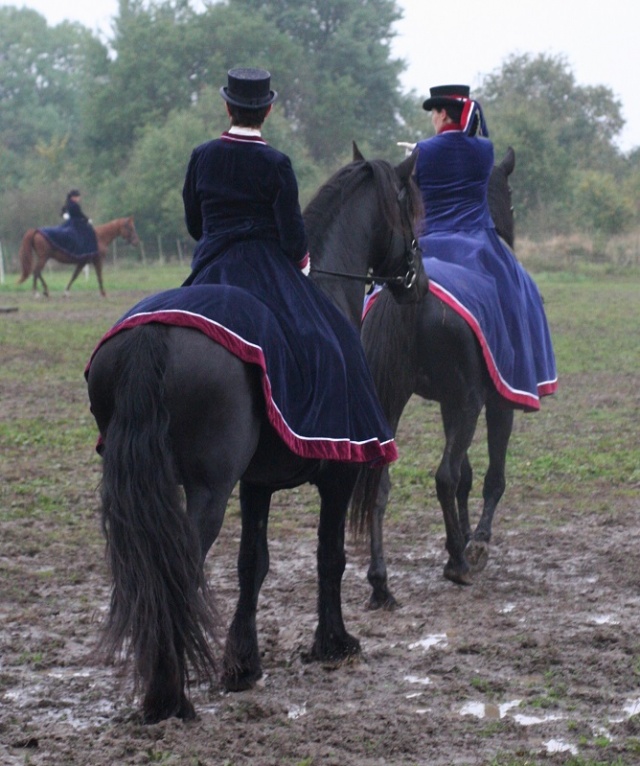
column 335, row 650
column 477, row 555
column 154, row 712
column 385, row 602
column 187, row 712
column 233, row 681
column 457, row 575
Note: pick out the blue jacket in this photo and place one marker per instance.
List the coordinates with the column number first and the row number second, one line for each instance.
column 452, row 171
column 237, row 189
column 74, row 211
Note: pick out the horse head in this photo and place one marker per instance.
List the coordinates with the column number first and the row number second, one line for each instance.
column 499, row 196
column 128, row 231
column 411, row 283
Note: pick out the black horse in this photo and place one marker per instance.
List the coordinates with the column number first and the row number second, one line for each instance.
column 429, row 350
column 175, row 408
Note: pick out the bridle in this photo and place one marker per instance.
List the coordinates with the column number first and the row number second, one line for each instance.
column 412, row 251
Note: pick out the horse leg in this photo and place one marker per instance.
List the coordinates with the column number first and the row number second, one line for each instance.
column 165, row 696
column 499, row 426
column 381, row 597
column 476, row 552
column 74, row 276
column 462, row 496
column 459, row 426
column 331, row 641
column 97, row 265
column 241, row 664
column 214, row 443
column 37, row 275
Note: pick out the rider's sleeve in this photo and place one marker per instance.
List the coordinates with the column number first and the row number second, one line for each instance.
column 286, row 208
column 192, row 209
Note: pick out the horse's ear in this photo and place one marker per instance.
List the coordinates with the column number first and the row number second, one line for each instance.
column 357, row 154
column 405, row 168
column 508, row 161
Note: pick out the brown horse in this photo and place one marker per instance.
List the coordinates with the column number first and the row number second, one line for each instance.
column 34, row 240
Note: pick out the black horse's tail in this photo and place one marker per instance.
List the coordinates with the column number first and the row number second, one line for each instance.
column 161, row 613
column 389, row 340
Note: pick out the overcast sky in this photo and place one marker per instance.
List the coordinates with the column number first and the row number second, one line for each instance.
column 449, row 42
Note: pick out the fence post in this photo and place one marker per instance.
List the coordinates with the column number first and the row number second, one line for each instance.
column 160, row 253
column 1, row 265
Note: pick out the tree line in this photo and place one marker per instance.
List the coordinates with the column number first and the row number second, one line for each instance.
column 118, row 118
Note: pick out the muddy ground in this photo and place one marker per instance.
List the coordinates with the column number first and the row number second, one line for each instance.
column 537, row 662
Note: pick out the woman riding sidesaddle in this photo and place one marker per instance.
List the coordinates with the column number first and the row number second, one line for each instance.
column 76, row 236
column 461, row 246
column 241, row 205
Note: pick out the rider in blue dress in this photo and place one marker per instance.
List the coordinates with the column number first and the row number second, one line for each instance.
column 452, row 171
column 241, row 205
column 76, row 236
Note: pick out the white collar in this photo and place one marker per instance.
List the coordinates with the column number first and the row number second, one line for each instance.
column 240, row 131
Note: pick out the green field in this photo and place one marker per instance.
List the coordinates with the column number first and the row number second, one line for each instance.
column 585, row 437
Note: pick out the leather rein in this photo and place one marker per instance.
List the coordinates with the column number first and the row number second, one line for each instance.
column 411, row 252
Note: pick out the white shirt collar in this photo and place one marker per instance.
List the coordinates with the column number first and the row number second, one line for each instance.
column 237, row 130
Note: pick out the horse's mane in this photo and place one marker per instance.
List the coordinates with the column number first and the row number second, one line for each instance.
column 328, row 202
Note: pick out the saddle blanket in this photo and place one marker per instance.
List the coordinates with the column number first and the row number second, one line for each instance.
column 319, row 396
column 509, row 323
column 77, row 241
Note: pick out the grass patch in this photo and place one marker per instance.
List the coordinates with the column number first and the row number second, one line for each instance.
column 584, row 438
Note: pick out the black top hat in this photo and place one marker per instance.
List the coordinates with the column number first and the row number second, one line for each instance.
column 248, row 88
column 445, row 95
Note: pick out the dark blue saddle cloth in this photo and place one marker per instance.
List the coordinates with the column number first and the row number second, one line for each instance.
column 317, row 387
column 74, row 238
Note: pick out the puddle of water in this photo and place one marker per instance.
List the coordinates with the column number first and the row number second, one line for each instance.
column 417, row 680
column 297, row 711
column 605, row 619
column 535, row 720
column 436, row 639
column 632, row 707
column 558, row 746
column 208, row 709
column 65, row 710
column 68, row 686
column 490, row 711
column 410, row 556
column 64, row 673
